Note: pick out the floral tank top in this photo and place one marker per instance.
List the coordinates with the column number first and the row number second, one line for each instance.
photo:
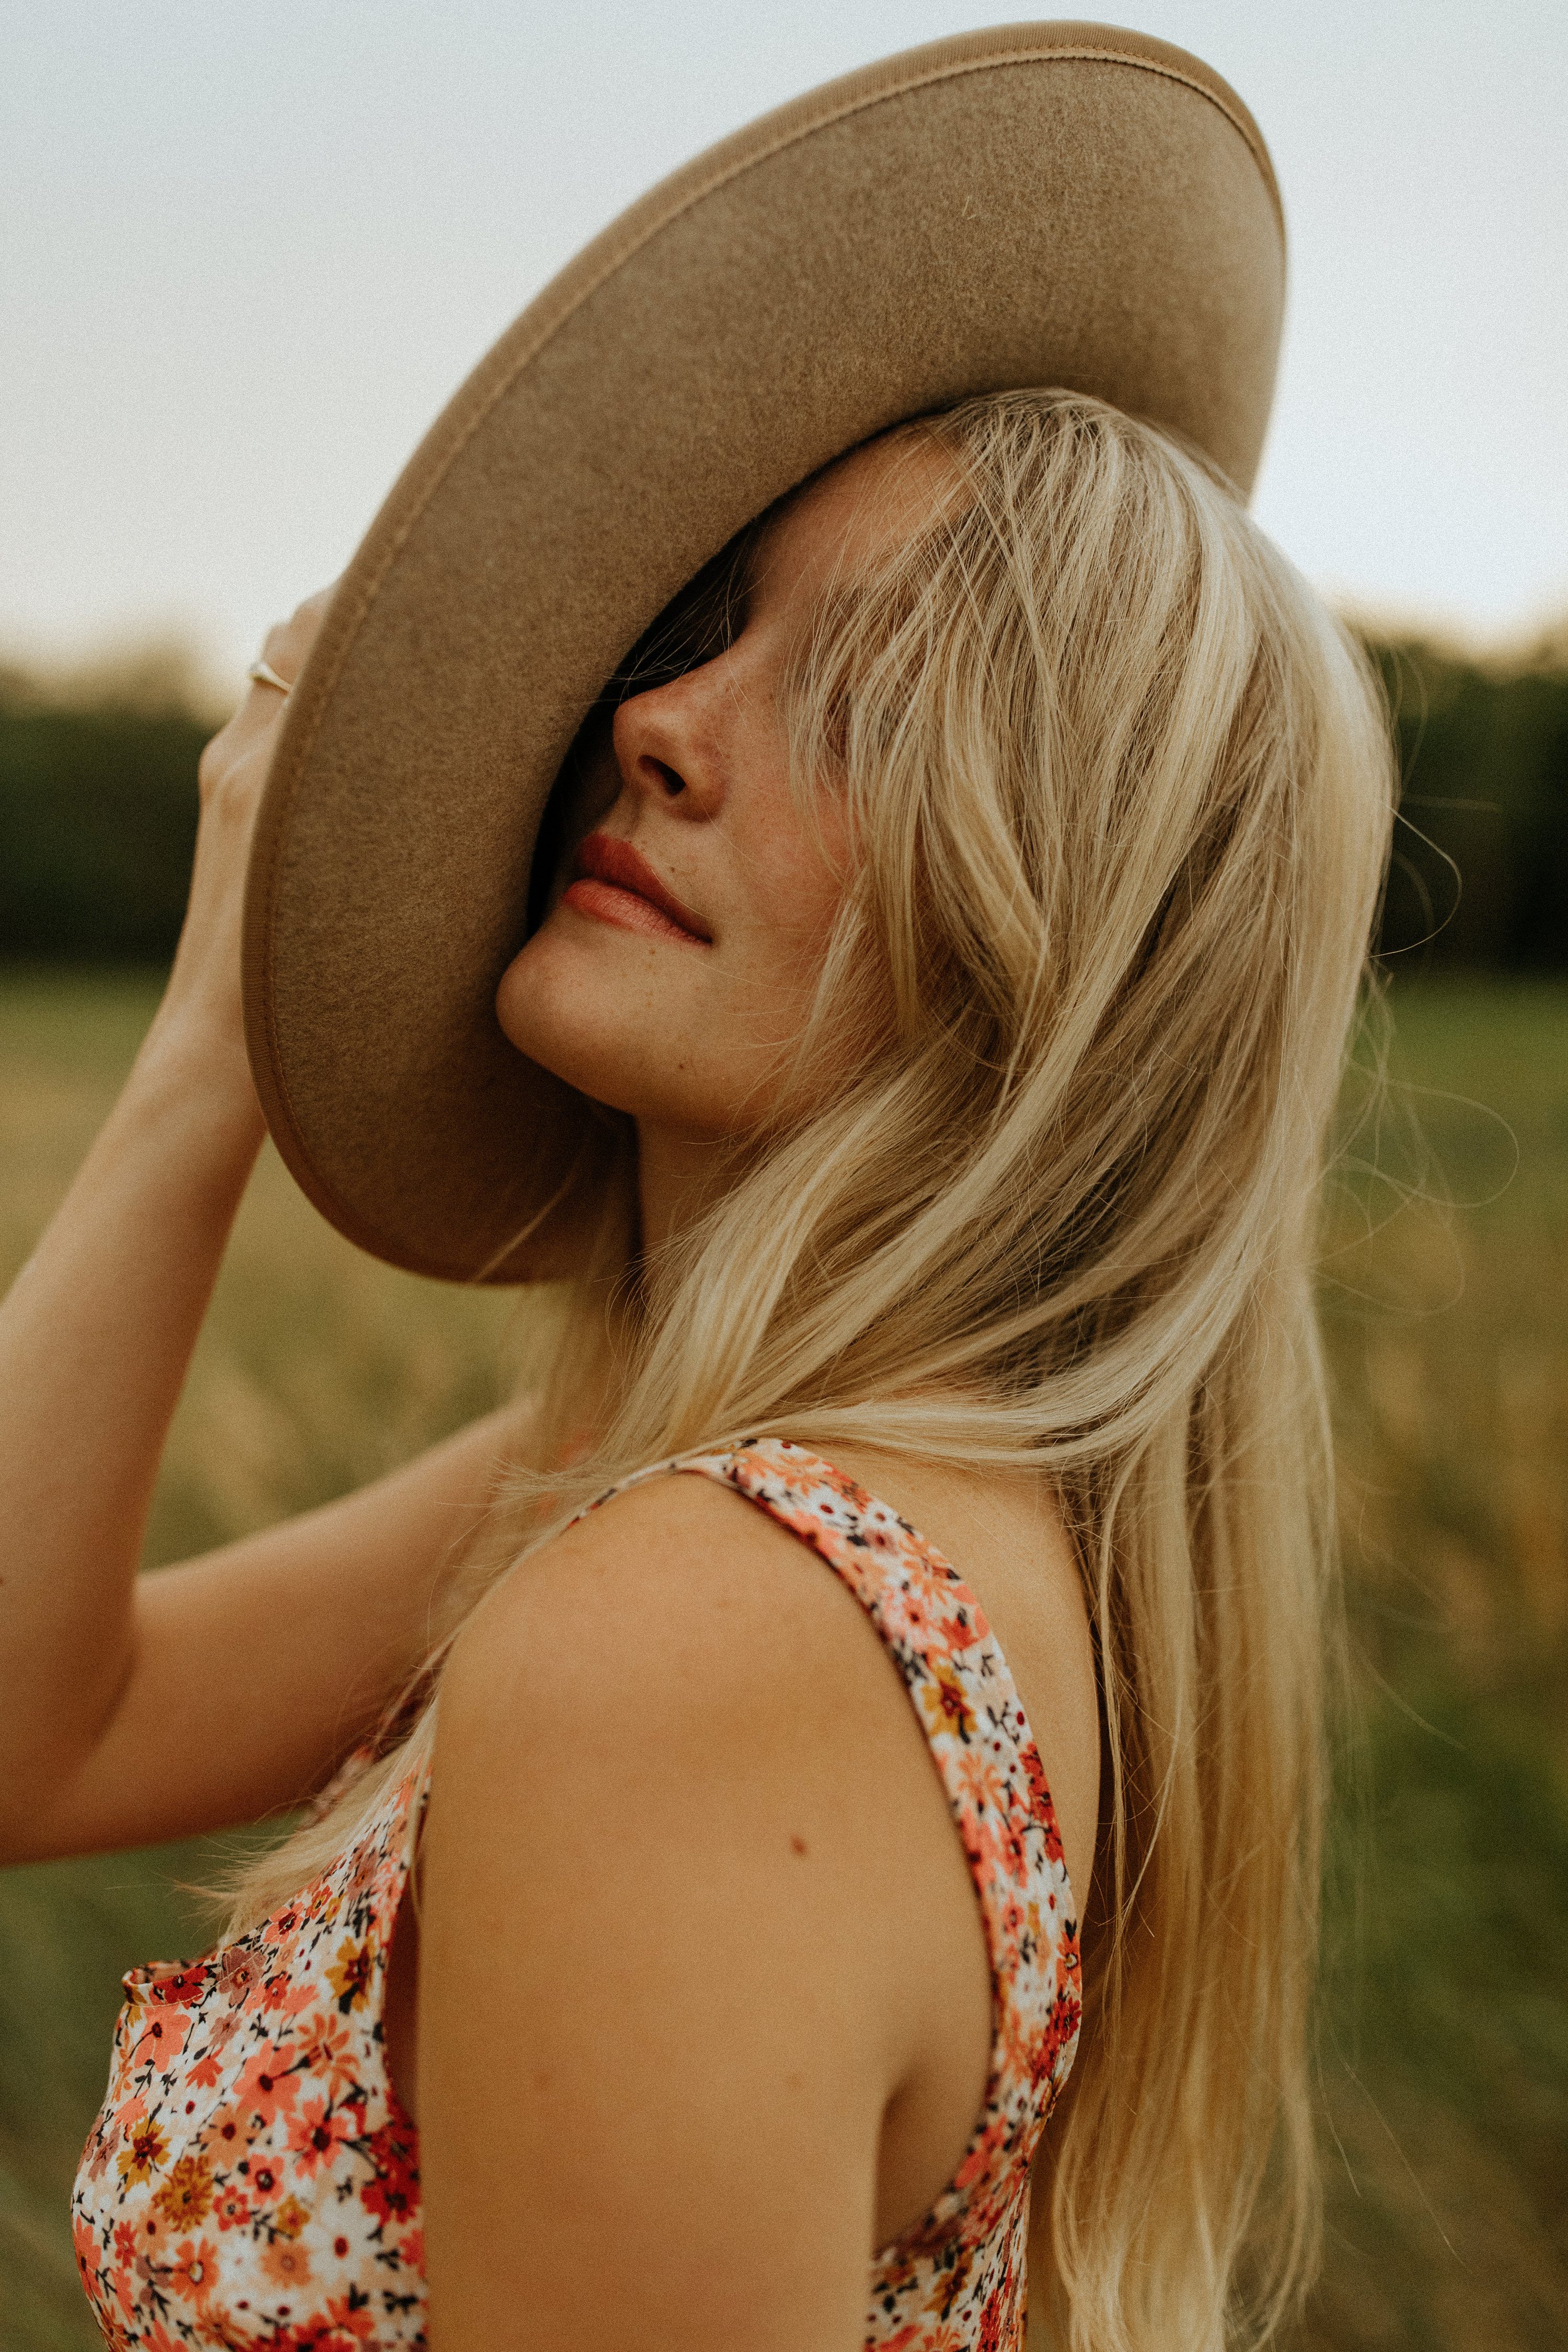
column 253, row 2178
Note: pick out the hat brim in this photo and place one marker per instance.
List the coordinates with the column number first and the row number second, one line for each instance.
column 1062, row 205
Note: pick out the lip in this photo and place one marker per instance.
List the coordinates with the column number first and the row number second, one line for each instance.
column 616, row 882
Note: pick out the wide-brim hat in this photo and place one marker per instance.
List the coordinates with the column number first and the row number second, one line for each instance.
column 1040, row 204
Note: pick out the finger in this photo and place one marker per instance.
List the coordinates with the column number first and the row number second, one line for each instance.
column 258, row 712
column 288, row 642
column 281, row 653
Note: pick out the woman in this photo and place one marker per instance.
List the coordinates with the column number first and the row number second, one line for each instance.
column 956, row 909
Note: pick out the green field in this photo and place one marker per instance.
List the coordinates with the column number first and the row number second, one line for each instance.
column 1445, row 2040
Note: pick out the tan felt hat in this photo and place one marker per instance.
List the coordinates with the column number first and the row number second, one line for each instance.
column 1053, row 205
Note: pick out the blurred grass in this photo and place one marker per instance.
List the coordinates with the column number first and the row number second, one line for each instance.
column 1444, row 2050
column 1445, row 2047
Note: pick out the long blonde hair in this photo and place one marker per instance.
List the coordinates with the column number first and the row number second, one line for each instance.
column 1120, row 791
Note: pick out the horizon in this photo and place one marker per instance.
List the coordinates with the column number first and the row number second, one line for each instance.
column 162, row 673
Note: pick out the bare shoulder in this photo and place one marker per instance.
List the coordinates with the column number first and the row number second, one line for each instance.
column 707, row 1632
column 682, row 1689
column 677, row 1608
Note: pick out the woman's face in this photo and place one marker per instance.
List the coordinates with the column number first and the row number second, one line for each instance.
column 686, row 935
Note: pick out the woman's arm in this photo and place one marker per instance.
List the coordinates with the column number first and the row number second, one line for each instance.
column 254, row 1669
column 136, row 1709
column 95, row 1336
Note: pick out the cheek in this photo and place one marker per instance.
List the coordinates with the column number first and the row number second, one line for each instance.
column 799, row 884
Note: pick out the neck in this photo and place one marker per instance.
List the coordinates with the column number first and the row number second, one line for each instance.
column 677, row 1172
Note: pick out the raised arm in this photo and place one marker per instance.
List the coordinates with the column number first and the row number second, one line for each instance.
column 213, row 1691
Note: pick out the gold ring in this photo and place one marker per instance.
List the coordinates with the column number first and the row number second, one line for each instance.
column 265, row 675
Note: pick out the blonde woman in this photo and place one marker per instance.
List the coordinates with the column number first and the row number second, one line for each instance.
column 947, row 929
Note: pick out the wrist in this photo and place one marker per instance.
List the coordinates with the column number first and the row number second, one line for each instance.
column 191, row 1064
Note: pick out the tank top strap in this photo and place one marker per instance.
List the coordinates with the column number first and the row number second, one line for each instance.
column 968, row 1706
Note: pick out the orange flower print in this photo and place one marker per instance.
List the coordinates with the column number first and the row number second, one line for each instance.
column 193, row 2272
column 985, row 1784
column 267, row 2084
column 265, row 2181
column 912, row 1617
column 332, row 2053
column 349, row 1975
column 941, row 2338
column 352, row 2312
column 146, row 2154
column 84, row 2240
column 281, row 1999
column 226, row 2136
column 161, row 2040
column 317, row 2133
column 287, row 2264
column 231, row 2209
column 393, row 2191
column 157, row 2338
column 187, row 2193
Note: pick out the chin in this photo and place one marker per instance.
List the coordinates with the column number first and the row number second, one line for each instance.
column 550, row 1009
column 547, row 1010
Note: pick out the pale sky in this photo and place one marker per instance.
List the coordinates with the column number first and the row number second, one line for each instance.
column 248, row 251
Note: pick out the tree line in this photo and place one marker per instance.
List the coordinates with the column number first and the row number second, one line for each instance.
column 98, row 813
column 1479, row 871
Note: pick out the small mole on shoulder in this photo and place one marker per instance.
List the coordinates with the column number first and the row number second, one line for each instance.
column 797, row 1844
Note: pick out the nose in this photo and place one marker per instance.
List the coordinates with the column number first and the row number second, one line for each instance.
column 669, row 748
